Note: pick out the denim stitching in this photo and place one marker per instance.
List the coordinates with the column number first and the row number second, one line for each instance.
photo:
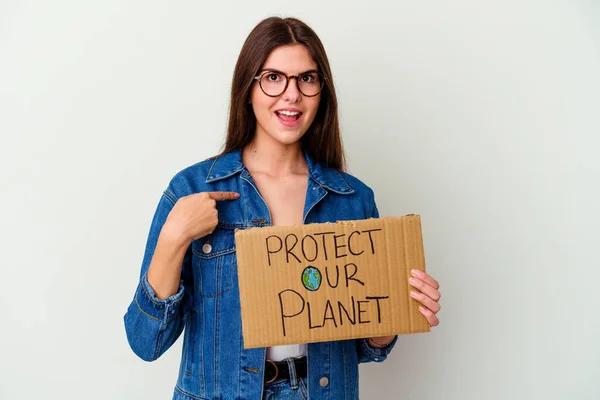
column 159, row 304
column 314, row 204
column 191, row 396
column 217, row 337
column 303, row 388
column 226, row 225
column 218, row 264
column 140, row 307
column 349, row 187
column 292, row 372
column 191, row 319
column 170, row 196
column 158, row 344
column 211, row 168
column 201, row 373
column 208, row 296
column 374, row 352
column 165, row 321
column 210, row 179
column 213, row 254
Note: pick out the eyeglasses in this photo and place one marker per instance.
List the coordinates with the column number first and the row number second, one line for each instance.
column 274, row 83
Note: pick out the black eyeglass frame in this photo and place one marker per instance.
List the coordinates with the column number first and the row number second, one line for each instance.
column 287, row 81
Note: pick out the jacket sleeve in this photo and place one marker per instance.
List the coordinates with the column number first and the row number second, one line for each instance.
column 152, row 325
column 367, row 353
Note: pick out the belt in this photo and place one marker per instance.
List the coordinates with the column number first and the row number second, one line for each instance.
column 280, row 369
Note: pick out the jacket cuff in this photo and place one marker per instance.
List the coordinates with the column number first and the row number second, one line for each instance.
column 377, row 354
column 158, row 309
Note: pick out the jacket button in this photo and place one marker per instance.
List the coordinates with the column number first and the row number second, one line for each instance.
column 207, row 248
column 324, row 381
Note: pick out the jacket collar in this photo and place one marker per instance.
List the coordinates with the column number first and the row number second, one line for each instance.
column 229, row 164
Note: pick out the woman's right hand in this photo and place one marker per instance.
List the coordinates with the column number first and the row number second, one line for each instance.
column 196, row 215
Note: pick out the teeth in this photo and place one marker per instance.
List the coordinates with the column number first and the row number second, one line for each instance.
column 290, row 113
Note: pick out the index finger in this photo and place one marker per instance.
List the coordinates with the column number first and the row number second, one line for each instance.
column 223, row 195
column 426, row 278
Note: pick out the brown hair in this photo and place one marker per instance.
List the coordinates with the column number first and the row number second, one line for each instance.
column 322, row 140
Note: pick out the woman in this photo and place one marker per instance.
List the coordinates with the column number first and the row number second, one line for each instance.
column 282, row 165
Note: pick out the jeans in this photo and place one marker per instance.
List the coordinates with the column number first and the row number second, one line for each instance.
column 293, row 388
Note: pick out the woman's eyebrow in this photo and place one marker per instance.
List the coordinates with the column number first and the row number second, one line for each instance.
column 283, row 73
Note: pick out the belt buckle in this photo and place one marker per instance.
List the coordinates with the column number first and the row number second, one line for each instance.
column 276, row 371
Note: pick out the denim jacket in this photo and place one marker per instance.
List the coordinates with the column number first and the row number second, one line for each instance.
column 214, row 363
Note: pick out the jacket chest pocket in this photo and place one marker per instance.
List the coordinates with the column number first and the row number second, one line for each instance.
column 214, row 262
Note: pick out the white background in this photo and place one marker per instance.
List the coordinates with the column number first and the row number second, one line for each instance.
column 482, row 116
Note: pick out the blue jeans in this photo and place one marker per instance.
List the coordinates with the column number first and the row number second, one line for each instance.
column 292, row 389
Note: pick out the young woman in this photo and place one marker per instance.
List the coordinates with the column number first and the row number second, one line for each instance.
column 282, row 164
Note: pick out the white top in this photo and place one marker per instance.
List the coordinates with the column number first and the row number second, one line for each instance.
column 280, row 353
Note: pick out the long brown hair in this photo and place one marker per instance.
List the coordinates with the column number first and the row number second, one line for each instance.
column 322, row 140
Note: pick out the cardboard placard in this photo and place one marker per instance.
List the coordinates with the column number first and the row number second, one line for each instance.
column 331, row 281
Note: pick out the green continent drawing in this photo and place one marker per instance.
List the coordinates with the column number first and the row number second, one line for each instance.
column 311, row 278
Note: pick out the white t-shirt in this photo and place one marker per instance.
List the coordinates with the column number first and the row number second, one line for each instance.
column 280, row 353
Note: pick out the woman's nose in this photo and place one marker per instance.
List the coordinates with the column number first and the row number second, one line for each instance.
column 292, row 93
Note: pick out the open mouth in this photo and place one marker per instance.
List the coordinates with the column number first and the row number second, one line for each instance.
column 289, row 118
column 288, row 115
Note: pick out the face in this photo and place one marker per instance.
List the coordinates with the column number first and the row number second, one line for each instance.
column 270, row 121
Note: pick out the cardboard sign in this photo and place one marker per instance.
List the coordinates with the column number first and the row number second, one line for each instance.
column 331, row 281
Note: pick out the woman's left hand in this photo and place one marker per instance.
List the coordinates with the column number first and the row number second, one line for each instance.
column 427, row 294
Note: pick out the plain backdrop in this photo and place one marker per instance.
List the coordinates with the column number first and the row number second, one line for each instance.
column 481, row 116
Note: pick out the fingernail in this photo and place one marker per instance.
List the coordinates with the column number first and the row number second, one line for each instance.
column 415, row 272
column 422, row 309
column 412, row 281
column 413, row 294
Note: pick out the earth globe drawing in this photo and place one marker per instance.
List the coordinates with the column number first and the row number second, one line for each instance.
column 311, row 278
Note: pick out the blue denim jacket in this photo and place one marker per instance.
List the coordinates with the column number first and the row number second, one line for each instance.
column 214, row 363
